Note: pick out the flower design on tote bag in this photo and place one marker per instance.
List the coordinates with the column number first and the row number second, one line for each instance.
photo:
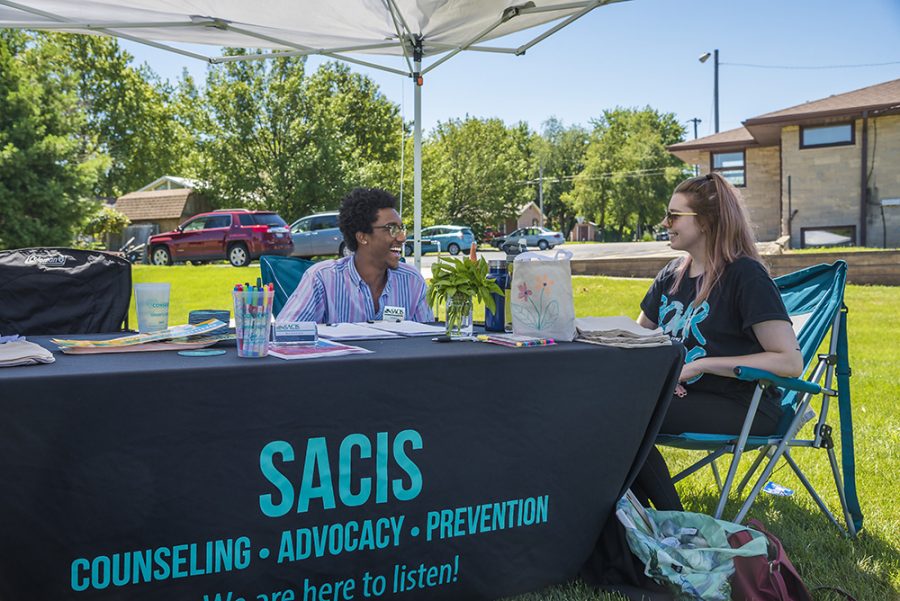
column 538, row 312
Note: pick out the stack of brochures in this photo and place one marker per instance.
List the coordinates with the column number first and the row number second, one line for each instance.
column 176, row 338
column 618, row 331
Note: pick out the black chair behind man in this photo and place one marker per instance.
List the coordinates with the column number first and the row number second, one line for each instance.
column 63, row 291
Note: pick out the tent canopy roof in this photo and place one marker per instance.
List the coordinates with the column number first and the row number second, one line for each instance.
column 333, row 27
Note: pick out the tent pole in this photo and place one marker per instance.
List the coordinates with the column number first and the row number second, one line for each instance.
column 417, row 153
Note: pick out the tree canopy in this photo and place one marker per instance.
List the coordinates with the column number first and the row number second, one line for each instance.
column 628, row 174
column 80, row 124
column 47, row 171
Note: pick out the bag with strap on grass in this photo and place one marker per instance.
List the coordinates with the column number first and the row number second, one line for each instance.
column 688, row 552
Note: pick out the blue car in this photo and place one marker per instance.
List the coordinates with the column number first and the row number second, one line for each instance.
column 444, row 238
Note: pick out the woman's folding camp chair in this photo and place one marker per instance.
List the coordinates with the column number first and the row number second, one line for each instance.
column 814, row 298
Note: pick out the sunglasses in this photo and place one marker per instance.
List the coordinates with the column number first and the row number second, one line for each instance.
column 671, row 216
column 394, row 229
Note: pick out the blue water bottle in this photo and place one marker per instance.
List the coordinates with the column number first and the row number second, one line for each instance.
column 495, row 321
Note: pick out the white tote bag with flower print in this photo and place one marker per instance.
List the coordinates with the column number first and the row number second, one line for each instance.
column 541, row 300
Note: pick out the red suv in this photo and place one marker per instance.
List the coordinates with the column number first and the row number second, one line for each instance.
column 238, row 235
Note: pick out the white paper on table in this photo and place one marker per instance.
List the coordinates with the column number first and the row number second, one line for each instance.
column 352, row 331
column 407, row 328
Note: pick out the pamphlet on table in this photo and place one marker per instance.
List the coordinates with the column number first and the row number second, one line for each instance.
column 320, row 348
column 181, row 337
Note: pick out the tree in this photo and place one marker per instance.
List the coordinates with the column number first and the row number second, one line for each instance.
column 105, row 220
column 367, row 123
column 561, row 152
column 472, row 173
column 132, row 115
column 628, row 173
column 46, row 173
column 295, row 144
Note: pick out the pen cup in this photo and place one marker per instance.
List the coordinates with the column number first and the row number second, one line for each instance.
column 252, row 317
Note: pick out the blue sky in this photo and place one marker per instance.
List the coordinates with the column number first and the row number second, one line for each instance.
column 644, row 52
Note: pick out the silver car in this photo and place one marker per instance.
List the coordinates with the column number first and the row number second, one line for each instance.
column 317, row 235
column 533, row 236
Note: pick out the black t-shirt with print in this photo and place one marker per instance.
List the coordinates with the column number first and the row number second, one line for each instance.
column 721, row 326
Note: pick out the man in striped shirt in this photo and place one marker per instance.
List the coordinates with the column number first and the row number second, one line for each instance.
column 359, row 287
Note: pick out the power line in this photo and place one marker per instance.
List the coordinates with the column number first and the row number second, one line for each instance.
column 568, row 178
column 811, row 67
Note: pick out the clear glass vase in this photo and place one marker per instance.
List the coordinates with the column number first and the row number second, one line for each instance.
column 459, row 315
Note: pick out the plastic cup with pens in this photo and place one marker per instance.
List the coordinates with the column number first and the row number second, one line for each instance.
column 252, row 318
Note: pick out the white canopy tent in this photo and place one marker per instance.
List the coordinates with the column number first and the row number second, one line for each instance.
column 416, row 30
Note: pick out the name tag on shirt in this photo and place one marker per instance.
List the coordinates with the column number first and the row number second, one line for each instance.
column 395, row 314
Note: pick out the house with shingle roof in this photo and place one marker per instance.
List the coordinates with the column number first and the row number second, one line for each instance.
column 825, row 172
column 163, row 204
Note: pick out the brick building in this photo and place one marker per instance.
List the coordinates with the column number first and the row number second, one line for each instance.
column 826, row 172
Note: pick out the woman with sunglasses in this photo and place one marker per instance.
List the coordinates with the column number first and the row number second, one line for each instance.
column 359, row 287
column 720, row 302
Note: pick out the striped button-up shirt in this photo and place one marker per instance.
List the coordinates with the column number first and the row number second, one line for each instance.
column 333, row 292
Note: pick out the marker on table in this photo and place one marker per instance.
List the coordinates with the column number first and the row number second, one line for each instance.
column 544, row 342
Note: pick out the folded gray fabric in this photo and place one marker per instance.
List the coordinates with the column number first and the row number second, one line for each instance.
column 22, row 352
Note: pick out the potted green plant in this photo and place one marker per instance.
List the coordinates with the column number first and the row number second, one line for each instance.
column 457, row 282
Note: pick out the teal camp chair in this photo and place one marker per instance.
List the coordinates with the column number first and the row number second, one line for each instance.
column 814, row 298
column 285, row 274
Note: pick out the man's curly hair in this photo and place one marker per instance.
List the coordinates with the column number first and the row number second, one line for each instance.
column 359, row 210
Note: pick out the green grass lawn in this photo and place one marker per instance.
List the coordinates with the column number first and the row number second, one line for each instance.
column 868, row 567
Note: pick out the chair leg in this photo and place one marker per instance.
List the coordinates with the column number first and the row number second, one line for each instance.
column 763, row 477
column 738, row 450
column 699, row 465
column 839, row 483
column 812, row 492
column 715, row 471
column 763, row 451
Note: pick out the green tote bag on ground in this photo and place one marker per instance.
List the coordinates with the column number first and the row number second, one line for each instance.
column 688, row 552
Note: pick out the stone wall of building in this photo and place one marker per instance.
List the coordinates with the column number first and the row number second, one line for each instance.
column 824, row 185
column 884, row 161
column 761, row 193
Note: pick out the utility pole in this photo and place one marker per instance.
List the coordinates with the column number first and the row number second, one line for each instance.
column 695, row 121
column 703, row 58
column 541, row 191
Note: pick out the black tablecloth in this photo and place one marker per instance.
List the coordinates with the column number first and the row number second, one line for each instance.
column 422, row 470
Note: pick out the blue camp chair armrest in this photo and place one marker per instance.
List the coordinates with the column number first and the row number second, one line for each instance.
column 752, row 374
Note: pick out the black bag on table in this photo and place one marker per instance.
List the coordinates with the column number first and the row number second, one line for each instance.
column 62, row 291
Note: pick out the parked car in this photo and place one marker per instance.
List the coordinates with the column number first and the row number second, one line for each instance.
column 661, row 234
column 489, row 235
column 237, row 235
column 534, row 236
column 318, row 234
column 446, row 238
column 514, row 246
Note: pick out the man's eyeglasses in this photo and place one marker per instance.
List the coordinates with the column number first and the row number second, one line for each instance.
column 394, row 229
column 673, row 215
